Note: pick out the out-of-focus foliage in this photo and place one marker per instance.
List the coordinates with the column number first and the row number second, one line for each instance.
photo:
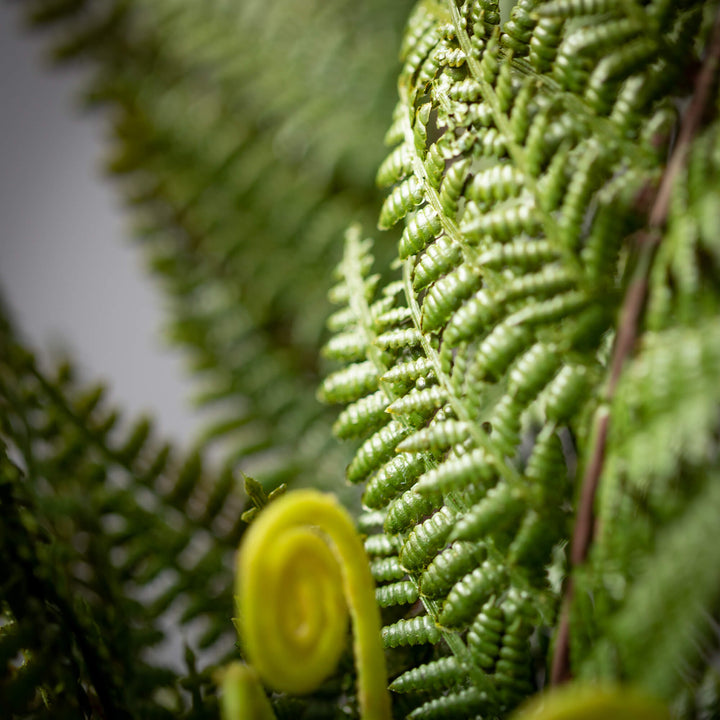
column 244, row 134
column 111, row 546
column 541, row 294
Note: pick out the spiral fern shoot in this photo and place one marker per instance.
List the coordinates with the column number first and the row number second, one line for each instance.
column 300, row 568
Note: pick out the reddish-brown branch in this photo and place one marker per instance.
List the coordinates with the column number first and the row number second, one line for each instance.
column 625, row 340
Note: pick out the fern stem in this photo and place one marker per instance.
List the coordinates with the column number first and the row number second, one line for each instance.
column 242, row 694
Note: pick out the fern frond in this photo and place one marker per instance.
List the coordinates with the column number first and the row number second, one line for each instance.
column 520, row 155
column 398, row 474
column 111, row 546
column 469, row 702
column 528, row 161
column 670, row 606
column 439, row 674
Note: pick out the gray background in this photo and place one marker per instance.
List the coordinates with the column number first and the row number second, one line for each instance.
column 69, row 272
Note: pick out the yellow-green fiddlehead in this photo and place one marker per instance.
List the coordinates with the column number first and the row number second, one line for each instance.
column 297, row 561
column 243, row 697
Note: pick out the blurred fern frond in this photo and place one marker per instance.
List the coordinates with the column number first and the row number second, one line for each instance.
column 244, row 137
column 658, row 505
column 111, row 544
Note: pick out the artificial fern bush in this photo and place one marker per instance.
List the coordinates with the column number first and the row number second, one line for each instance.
column 531, row 385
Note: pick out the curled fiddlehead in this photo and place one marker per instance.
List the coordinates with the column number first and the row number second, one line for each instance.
column 297, row 561
column 243, row 695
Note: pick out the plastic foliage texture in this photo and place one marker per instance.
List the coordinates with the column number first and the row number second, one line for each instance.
column 533, row 396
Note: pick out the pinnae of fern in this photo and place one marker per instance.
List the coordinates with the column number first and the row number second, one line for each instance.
column 301, row 568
